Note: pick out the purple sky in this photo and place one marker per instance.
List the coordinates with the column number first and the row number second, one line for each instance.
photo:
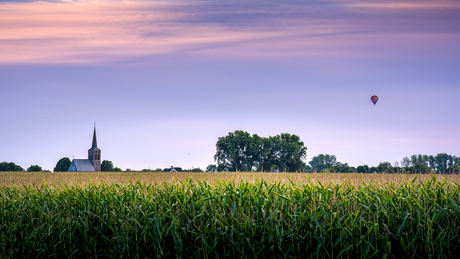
column 164, row 80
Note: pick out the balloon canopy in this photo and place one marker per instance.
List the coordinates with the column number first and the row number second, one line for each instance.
column 374, row 99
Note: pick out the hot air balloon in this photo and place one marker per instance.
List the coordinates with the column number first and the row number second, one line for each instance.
column 374, row 99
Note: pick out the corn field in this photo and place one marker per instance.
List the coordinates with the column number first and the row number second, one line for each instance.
column 232, row 219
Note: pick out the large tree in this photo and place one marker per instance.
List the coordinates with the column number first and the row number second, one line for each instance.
column 234, row 151
column 62, row 165
column 10, row 167
column 239, row 151
column 289, row 151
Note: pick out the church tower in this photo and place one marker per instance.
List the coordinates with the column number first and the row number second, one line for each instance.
column 94, row 153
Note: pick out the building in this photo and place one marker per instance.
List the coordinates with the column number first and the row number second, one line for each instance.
column 92, row 164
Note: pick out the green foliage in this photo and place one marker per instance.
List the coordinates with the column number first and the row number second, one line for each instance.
column 232, row 220
column 158, row 170
column 439, row 163
column 234, row 151
column 342, row 168
column 454, row 169
column 321, row 162
column 34, row 168
column 419, row 169
column 62, row 165
column 10, row 167
column 239, row 151
column 288, row 152
column 363, row 169
column 386, row 167
column 106, row 166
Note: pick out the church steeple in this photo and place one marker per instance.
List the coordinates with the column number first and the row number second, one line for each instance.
column 94, row 153
column 94, row 138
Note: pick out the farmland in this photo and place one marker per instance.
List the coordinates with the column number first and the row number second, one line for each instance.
column 221, row 215
column 83, row 178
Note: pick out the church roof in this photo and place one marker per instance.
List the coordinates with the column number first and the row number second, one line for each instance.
column 81, row 165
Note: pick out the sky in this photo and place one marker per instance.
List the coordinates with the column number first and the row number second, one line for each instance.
column 163, row 80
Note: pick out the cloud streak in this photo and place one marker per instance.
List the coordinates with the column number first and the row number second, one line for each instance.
column 87, row 32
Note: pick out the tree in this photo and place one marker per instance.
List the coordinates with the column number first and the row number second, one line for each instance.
column 239, row 151
column 386, row 167
column 321, row 162
column 442, row 162
column 10, row 167
column 34, row 168
column 363, row 169
column 432, row 162
column 289, row 151
column 342, row 168
column 197, row 170
column 266, row 157
column 421, row 168
column 117, row 169
column 232, row 151
column 454, row 169
column 62, row 165
column 406, row 162
column 106, row 166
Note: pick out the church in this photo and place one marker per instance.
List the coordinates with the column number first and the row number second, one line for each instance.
column 92, row 164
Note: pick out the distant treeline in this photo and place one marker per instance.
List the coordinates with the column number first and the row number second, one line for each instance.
column 243, row 152
column 440, row 163
column 12, row 167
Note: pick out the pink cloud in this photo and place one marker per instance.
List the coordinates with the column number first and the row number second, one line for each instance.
column 107, row 31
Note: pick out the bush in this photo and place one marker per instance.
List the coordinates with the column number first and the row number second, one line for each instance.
column 34, row 168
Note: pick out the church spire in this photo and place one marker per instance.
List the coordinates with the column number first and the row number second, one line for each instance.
column 94, row 137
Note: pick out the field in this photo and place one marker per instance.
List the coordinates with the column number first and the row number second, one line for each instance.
column 29, row 178
column 228, row 215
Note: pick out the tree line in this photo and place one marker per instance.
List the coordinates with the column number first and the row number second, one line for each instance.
column 62, row 166
column 440, row 163
column 12, row 167
column 241, row 151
